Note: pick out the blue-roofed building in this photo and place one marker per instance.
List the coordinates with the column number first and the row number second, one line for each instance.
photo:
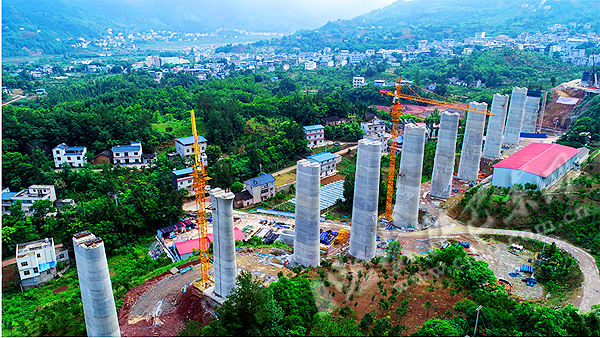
column 63, row 154
column 27, row 197
column 261, row 187
column 315, row 135
column 127, row 155
column 185, row 145
column 6, row 200
column 328, row 162
column 182, row 179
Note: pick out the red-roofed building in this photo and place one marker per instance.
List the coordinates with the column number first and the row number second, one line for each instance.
column 539, row 163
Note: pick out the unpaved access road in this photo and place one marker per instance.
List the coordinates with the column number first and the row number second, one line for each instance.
column 591, row 277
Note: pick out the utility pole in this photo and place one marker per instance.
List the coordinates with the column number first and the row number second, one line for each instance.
column 477, row 320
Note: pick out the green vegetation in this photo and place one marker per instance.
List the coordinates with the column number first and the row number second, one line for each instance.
column 585, row 131
column 571, row 212
column 40, row 312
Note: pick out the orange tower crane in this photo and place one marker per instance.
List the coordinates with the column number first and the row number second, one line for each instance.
column 199, row 184
column 395, row 113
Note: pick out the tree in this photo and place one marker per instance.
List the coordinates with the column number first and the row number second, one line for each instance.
column 213, row 153
column 435, row 328
column 237, row 187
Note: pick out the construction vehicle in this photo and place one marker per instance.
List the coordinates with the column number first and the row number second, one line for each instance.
column 199, row 185
column 395, row 114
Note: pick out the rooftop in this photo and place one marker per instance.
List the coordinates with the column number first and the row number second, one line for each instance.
column 260, row 180
column 186, row 141
column 184, row 171
column 322, row 157
column 41, row 243
column 313, row 127
column 540, row 159
column 131, row 147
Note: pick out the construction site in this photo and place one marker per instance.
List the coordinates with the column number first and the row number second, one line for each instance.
column 421, row 219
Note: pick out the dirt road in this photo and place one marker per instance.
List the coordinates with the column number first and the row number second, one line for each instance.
column 288, row 169
column 18, row 97
column 591, row 277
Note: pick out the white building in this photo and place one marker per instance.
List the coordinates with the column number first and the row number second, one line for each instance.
column 328, row 162
column 74, row 156
column 375, row 126
column 36, row 262
column 126, row 155
column 358, row 81
column 261, row 187
column 27, row 197
column 315, row 135
column 184, row 146
column 310, row 65
column 182, row 179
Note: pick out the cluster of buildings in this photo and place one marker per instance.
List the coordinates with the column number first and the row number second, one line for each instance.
column 125, row 155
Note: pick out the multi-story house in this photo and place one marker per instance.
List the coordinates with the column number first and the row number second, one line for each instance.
column 375, row 126
column 315, row 135
column 328, row 162
column 74, row 156
column 261, row 187
column 127, row 155
column 310, row 65
column 184, row 146
column 27, row 197
column 182, row 179
column 36, row 262
column 358, row 81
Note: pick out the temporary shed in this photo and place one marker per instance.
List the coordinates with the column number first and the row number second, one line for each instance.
column 539, row 163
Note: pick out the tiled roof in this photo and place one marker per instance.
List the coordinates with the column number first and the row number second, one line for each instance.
column 186, row 141
column 321, row 157
column 313, row 127
column 260, row 180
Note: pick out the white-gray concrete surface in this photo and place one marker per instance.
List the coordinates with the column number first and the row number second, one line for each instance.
column 94, row 283
column 495, row 129
column 225, row 264
column 406, row 209
column 470, row 156
column 366, row 198
column 514, row 121
column 445, row 153
column 530, row 114
column 306, row 236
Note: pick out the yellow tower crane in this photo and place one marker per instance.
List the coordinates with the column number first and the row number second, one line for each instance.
column 199, row 184
column 395, row 113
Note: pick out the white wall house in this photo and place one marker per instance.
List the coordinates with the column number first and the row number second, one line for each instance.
column 328, row 162
column 63, row 154
column 261, row 187
column 184, row 146
column 182, row 179
column 358, row 81
column 376, row 126
column 310, row 65
column 36, row 262
column 27, row 197
column 126, row 155
column 315, row 135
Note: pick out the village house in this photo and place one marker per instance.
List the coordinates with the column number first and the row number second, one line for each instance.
column 27, row 197
column 73, row 156
column 328, row 162
column 261, row 187
column 37, row 262
column 315, row 135
column 129, row 154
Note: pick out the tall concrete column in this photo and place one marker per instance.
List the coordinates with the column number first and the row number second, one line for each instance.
column 530, row 114
column 306, row 236
column 366, row 198
column 223, row 242
column 445, row 153
column 515, row 116
column 495, row 129
column 94, row 283
column 406, row 209
column 468, row 168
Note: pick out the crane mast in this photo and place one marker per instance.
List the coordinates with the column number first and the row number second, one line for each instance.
column 395, row 114
column 199, row 184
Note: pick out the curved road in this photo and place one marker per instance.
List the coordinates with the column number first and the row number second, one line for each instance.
column 591, row 277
